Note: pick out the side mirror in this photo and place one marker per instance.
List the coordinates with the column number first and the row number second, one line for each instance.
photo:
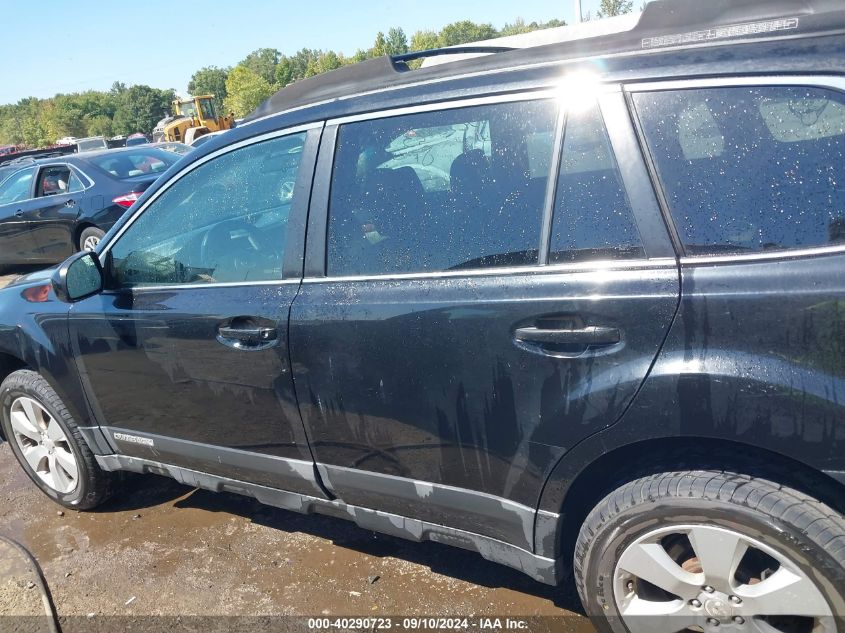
column 78, row 277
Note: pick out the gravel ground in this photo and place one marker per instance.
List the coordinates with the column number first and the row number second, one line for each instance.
column 164, row 549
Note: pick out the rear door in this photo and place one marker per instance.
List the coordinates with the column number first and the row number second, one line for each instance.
column 52, row 216
column 486, row 301
column 184, row 358
column 16, row 243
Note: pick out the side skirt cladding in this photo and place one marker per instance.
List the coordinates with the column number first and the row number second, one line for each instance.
column 545, row 570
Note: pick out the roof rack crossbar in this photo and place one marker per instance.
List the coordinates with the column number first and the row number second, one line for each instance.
column 452, row 50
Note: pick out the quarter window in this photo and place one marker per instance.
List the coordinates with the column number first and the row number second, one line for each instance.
column 750, row 169
column 592, row 218
column 455, row 189
column 225, row 221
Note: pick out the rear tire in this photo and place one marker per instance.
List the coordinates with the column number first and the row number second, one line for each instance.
column 89, row 238
column 708, row 548
column 45, row 440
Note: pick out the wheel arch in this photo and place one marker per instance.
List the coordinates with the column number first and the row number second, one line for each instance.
column 80, row 227
column 571, row 493
column 8, row 365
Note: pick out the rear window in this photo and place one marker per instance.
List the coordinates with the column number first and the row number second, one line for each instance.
column 140, row 162
column 750, row 169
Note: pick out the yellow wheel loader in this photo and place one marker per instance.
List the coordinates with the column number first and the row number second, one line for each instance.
column 191, row 118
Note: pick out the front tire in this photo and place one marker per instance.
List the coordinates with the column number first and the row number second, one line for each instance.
column 712, row 551
column 45, row 440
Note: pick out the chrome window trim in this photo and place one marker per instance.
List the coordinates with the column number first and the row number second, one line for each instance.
column 194, row 165
column 817, row 81
column 763, row 256
column 573, row 267
column 832, row 82
column 215, row 284
column 71, row 167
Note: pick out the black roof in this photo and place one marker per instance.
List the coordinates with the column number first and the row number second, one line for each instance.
column 663, row 25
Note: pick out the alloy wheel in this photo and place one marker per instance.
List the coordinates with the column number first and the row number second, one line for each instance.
column 44, row 445
column 90, row 243
column 709, row 578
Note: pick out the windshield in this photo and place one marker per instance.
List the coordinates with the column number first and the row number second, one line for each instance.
column 188, row 109
column 144, row 160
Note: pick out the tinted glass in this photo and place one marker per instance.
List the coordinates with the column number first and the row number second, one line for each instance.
column 453, row 189
column 75, row 183
column 750, row 169
column 593, row 218
column 53, row 181
column 225, row 221
column 17, row 186
column 140, row 162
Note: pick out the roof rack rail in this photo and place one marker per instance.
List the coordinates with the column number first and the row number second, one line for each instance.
column 450, row 50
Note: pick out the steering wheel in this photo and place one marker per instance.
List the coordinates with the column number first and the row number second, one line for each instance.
column 231, row 258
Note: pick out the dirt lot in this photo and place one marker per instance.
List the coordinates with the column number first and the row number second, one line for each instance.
column 164, row 549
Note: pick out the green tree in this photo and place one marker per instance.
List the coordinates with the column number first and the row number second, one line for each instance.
column 379, row 46
column 424, row 40
column 263, row 62
column 464, row 32
column 210, row 80
column 246, row 90
column 397, row 42
column 295, row 67
column 139, row 108
column 610, row 8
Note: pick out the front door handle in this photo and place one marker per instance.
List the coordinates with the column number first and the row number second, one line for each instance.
column 589, row 335
column 70, row 203
column 249, row 336
column 19, row 213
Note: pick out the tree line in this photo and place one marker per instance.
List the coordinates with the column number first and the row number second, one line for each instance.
column 239, row 89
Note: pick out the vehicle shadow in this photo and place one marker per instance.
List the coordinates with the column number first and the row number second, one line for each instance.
column 442, row 559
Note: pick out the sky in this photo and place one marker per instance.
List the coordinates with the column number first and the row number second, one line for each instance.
column 58, row 46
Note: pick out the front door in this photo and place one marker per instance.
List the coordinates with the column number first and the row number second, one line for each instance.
column 16, row 243
column 184, row 357
column 448, row 359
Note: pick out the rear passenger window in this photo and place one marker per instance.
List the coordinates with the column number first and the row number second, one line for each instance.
column 750, row 169
column 592, row 218
column 454, row 189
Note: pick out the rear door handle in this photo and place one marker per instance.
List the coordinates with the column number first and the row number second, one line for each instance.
column 19, row 213
column 245, row 337
column 70, row 203
column 589, row 335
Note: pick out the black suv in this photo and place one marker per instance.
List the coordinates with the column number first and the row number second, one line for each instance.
column 580, row 308
column 53, row 207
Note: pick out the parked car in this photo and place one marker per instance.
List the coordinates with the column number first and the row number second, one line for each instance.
column 576, row 307
column 177, row 148
column 136, row 139
column 205, row 138
column 52, row 207
column 91, row 143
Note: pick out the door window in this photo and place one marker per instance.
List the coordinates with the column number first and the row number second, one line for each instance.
column 53, row 181
column 593, row 218
column 750, row 169
column 225, row 221
column 454, row 189
column 17, row 187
